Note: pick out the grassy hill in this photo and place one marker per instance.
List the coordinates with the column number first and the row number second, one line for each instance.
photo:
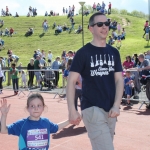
column 24, row 46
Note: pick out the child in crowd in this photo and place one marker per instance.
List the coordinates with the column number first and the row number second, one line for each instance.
column 14, row 76
column 128, row 84
column 24, row 79
column 34, row 131
column 118, row 44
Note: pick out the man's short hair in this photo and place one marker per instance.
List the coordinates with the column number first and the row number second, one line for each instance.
column 71, row 52
column 141, row 56
column 91, row 20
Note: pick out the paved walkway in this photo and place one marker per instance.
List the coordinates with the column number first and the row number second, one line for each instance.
column 132, row 130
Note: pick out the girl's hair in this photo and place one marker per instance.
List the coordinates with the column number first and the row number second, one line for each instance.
column 34, row 96
column 32, row 61
column 69, row 63
column 129, row 58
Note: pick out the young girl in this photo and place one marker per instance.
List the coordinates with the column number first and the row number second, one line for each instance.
column 128, row 83
column 24, row 79
column 34, row 131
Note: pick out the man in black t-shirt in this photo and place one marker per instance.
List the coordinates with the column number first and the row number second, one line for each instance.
column 102, row 85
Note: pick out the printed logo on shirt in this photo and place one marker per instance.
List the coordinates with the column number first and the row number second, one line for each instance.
column 103, row 65
column 37, row 139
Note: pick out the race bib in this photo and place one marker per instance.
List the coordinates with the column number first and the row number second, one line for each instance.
column 37, row 138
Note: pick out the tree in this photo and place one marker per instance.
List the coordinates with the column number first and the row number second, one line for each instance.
column 115, row 11
column 85, row 7
column 123, row 12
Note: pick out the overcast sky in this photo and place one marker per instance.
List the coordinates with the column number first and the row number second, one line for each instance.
column 21, row 6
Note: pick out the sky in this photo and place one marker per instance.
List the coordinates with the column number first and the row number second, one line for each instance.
column 21, row 6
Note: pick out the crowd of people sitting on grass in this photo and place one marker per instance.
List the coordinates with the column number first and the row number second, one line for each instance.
column 32, row 12
column 7, row 32
column 5, row 12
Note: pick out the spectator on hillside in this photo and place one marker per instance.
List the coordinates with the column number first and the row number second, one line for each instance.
column 65, row 28
column 1, row 23
column 11, row 31
column 73, row 10
column 111, row 41
column 98, row 7
column 79, row 29
column 103, row 5
column 29, row 32
column 54, row 25
column 46, row 13
column 3, row 13
column 58, row 29
column 45, row 26
column 2, row 42
column 128, row 63
column 50, row 57
column 94, row 7
column 124, row 32
column 6, row 32
column 7, row 10
column 119, row 28
column 66, row 11
column 118, row 42
column 86, row 12
column 114, row 35
column 51, row 13
column 109, row 8
column 147, row 31
column 34, row 10
column 63, row 11
column 72, row 23
column 16, row 15
column 30, row 11
column 1, row 32
column 145, row 25
column 122, row 36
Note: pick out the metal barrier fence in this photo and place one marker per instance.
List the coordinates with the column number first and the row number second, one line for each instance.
column 48, row 79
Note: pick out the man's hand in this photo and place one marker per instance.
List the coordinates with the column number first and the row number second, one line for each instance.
column 4, row 107
column 114, row 112
column 140, row 69
column 74, row 117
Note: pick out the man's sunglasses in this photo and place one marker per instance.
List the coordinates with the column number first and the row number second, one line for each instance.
column 100, row 24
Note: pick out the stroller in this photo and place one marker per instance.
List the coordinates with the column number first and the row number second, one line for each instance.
column 47, row 77
column 145, row 81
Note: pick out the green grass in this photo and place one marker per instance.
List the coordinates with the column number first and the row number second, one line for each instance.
column 24, row 46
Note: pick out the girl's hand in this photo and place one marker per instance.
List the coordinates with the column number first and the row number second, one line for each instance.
column 4, row 107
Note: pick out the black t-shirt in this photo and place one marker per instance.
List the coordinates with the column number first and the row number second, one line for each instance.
column 30, row 67
column 97, row 66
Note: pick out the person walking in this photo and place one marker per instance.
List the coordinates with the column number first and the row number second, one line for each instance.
column 102, row 85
